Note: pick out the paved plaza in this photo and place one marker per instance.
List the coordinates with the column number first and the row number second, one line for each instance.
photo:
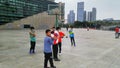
column 94, row 49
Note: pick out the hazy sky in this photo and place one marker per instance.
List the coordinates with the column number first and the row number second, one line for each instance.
column 105, row 8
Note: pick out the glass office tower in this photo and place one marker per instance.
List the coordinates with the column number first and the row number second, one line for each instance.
column 11, row 10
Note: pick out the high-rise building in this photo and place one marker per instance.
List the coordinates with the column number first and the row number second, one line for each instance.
column 71, row 17
column 85, row 14
column 93, row 14
column 80, row 11
column 89, row 16
column 68, row 18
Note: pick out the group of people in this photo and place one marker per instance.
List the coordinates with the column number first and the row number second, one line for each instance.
column 117, row 32
column 52, row 44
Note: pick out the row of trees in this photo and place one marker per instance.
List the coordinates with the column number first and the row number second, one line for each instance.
column 85, row 24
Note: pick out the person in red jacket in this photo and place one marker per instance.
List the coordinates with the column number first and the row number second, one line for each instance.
column 61, row 35
column 117, row 32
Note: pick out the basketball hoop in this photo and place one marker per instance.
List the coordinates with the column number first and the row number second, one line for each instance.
column 54, row 10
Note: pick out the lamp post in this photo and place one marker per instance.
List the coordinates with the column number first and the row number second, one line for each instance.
column 56, row 23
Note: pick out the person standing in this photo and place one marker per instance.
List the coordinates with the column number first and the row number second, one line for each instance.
column 88, row 28
column 67, row 28
column 48, row 42
column 71, row 34
column 60, row 39
column 55, row 45
column 117, row 32
column 32, row 40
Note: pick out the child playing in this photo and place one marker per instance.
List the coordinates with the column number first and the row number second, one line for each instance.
column 32, row 40
column 71, row 34
column 48, row 42
column 60, row 39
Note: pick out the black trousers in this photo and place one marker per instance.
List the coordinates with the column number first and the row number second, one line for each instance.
column 72, row 40
column 55, row 51
column 32, row 48
column 60, row 46
column 48, row 56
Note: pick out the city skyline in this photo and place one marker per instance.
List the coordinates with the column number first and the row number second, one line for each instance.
column 105, row 8
column 82, row 15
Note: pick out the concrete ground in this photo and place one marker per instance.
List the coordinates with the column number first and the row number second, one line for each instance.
column 95, row 49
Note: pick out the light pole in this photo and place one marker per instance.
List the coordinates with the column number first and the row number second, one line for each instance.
column 56, row 23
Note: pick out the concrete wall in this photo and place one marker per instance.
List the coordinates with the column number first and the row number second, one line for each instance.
column 39, row 21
